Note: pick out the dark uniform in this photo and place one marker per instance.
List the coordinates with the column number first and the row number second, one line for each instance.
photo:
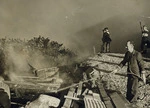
column 106, row 40
column 135, row 66
column 145, row 41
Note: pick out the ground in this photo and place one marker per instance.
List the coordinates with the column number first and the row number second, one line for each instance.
column 107, row 62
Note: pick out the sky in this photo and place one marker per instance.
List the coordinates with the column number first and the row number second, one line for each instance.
column 77, row 24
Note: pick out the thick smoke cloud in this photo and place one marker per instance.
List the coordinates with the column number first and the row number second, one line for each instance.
column 19, row 61
column 78, row 24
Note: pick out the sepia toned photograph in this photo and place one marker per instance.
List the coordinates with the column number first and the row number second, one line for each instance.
column 74, row 54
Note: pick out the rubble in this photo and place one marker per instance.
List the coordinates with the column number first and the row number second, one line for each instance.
column 43, row 101
column 106, row 63
column 51, row 80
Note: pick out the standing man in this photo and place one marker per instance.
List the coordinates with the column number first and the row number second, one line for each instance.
column 106, row 40
column 135, row 69
column 144, row 42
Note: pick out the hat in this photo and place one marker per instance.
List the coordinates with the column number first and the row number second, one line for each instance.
column 105, row 28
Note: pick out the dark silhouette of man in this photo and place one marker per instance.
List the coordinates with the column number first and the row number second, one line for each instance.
column 135, row 69
column 106, row 40
column 145, row 40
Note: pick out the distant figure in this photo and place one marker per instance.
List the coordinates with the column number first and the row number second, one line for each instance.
column 2, row 60
column 135, row 69
column 145, row 41
column 4, row 94
column 106, row 40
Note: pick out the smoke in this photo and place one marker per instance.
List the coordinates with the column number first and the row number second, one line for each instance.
column 77, row 24
column 20, row 59
column 16, row 63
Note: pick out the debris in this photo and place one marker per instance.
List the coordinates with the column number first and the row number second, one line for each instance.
column 44, row 101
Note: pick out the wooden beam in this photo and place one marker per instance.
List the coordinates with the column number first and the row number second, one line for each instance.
column 79, row 90
column 117, row 100
column 123, row 98
column 68, row 101
column 73, row 98
column 32, row 87
column 104, row 95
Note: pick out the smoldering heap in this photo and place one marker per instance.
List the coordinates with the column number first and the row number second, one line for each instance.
column 33, row 64
column 23, row 56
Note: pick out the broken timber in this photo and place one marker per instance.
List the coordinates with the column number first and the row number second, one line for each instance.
column 79, row 91
column 90, row 99
column 118, row 101
column 105, row 97
column 74, row 85
column 93, row 103
column 68, row 101
column 112, row 99
column 32, row 87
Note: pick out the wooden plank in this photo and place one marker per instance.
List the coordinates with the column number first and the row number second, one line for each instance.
column 28, row 77
column 104, row 95
column 97, row 97
column 91, row 102
column 73, row 98
column 47, row 72
column 68, row 101
column 117, row 100
column 74, row 85
column 109, row 104
column 79, row 90
column 30, row 86
column 123, row 98
column 74, row 103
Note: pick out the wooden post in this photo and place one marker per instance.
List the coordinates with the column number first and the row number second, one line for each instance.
column 94, row 50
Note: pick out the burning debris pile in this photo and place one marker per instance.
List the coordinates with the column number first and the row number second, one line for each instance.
column 106, row 63
column 23, row 56
column 30, row 67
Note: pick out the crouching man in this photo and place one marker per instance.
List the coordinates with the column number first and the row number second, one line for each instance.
column 4, row 94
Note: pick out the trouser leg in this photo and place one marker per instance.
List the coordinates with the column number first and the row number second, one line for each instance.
column 108, row 47
column 129, row 86
column 135, row 90
column 103, row 47
column 144, row 44
column 132, row 89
